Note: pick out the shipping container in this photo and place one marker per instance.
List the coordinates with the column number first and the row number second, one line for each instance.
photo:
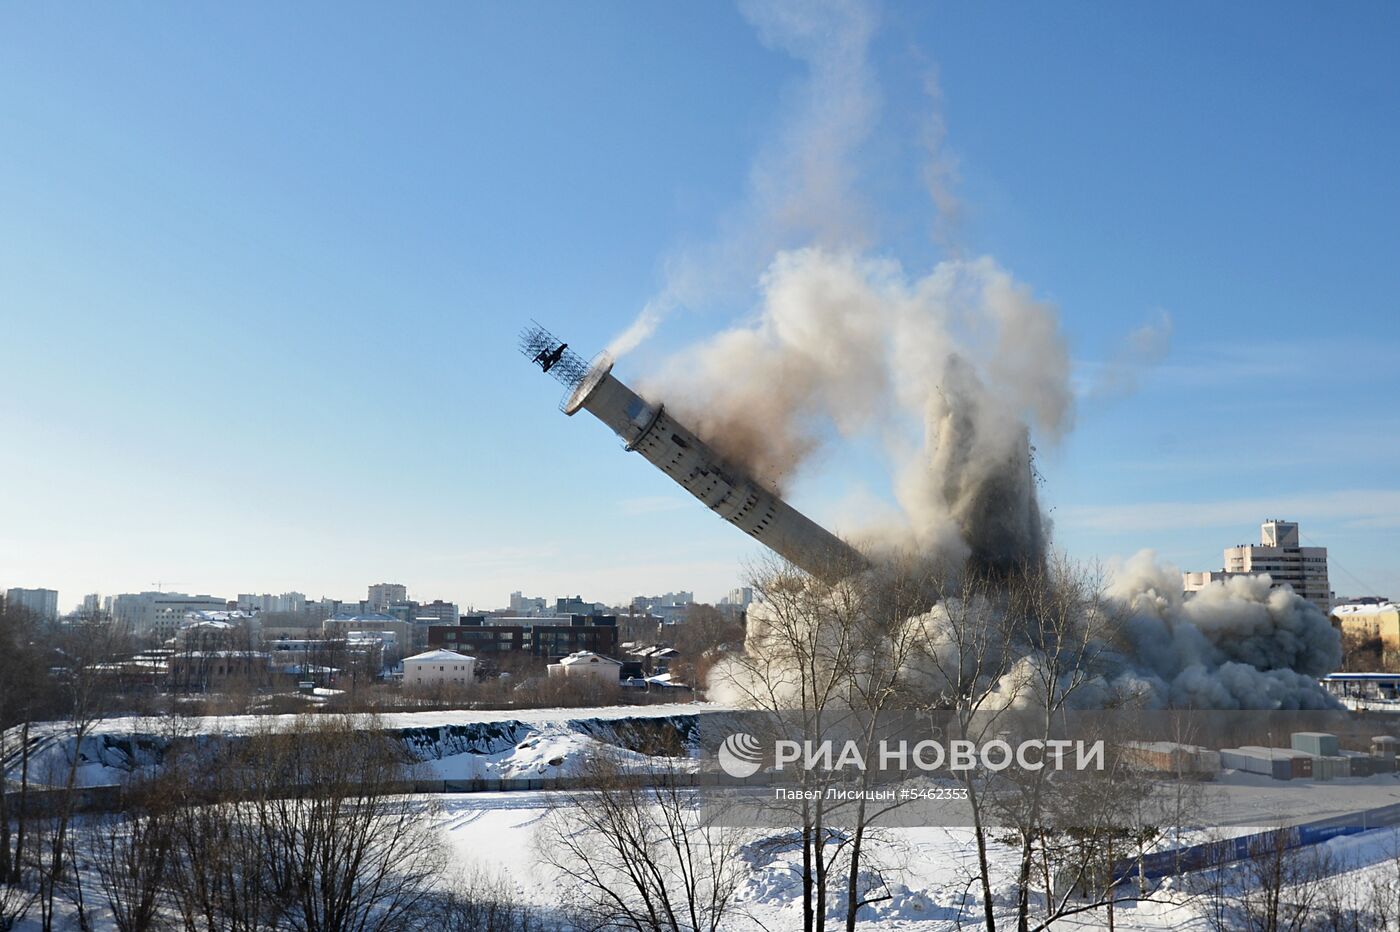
column 1362, row 765
column 1316, row 743
column 1337, row 767
column 1172, row 757
column 1266, row 761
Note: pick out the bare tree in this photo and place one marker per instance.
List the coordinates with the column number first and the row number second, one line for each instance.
column 888, row 647
column 962, row 664
column 802, row 653
column 130, row 854
column 28, row 695
column 634, row 855
column 218, row 879
column 308, row 829
column 1280, row 884
column 86, row 651
column 1062, row 620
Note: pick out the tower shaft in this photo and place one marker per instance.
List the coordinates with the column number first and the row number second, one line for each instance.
column 737, row 498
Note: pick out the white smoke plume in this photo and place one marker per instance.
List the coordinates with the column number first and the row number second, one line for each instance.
column 802, row 188
column 941, row 168
column 948, row 371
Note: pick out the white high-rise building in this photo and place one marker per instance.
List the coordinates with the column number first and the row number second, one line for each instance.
column 520, row 604
column 382, row 595
column 443, row 613
column 1281, row 556
column 741, row 597
column 248, row 602
column 42, row 603
column 292, row 602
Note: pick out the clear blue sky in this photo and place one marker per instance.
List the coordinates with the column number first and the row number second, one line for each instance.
column 261, row 268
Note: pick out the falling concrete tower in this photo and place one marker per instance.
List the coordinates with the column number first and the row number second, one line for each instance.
column 675, row 450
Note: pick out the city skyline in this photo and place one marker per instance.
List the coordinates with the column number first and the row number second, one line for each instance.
column 1273, row 533
column 82, row 603
column 261, row 320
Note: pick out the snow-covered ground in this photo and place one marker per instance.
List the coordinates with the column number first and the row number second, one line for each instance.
column 541, row 750
column 1357, row 704
column 928, row 872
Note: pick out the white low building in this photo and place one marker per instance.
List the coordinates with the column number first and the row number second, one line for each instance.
column 585, row 663
column 439, row 668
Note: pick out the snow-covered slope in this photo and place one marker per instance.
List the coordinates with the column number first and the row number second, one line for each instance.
column 459, row 745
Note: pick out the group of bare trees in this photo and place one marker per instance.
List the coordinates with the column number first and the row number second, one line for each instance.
column 304, row 827
column 706, row 635
column 57, row 686
column 1279, row 886
column 839, row 657
column 633, row 854
column 307, row 829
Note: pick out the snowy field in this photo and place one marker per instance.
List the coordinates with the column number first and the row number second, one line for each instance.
column 928, row 871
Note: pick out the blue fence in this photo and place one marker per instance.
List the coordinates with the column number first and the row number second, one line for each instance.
column 1198, row 857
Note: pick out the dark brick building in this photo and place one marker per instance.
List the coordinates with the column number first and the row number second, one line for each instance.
column 550, row 638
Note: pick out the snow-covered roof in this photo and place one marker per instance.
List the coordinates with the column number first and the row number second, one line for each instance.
column 1362, row 677
column 210, row 625
column 231, row 617
column 656, row 651
column 587, row 656
column 1367, row 608
column 440, row 655
column 363, row 617
column 1164, row 747
column 201, row 654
